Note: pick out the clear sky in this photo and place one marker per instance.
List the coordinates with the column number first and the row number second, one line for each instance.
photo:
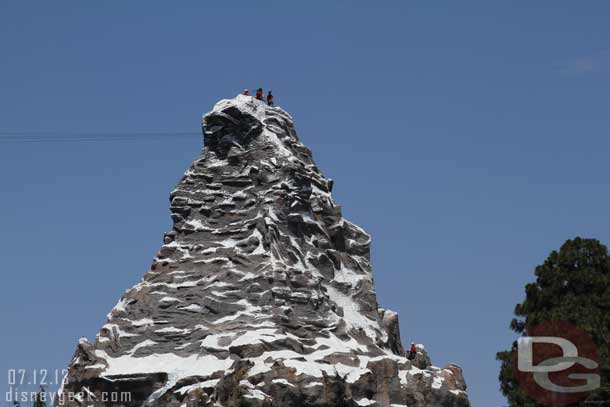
column 470, row 138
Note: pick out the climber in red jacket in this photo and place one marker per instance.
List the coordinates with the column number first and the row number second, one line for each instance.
column 412, row 351
column 259, row 93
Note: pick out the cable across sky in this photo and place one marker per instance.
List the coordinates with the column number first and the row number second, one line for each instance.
column 21, row 137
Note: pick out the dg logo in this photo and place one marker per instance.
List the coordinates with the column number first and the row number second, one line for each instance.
column 557, row 363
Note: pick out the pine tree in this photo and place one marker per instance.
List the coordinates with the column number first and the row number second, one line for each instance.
column 571, row 285
column 40, row 398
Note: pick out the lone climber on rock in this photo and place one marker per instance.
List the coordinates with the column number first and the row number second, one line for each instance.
column 412, row 351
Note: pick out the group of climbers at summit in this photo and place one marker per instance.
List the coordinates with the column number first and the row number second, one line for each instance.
column 259, row 95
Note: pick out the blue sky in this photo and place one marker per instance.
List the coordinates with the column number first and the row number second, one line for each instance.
column 470, row 138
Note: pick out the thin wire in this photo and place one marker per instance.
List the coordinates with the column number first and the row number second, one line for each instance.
column 76, row 132
column 20, row 137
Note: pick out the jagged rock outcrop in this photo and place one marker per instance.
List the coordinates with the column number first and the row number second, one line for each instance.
column 261, row 295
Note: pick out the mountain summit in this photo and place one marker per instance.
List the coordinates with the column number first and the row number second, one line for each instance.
column 260, row 296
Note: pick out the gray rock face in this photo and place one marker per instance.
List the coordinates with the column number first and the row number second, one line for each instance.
column 261, row 294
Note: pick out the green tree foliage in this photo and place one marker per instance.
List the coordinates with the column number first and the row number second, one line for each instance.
column 571, row 285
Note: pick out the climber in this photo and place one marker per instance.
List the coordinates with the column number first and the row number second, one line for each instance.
column 412, row 351
column 269, row 98
column 246, row 92
column 259, row 93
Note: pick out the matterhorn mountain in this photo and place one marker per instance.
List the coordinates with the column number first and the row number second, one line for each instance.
column 261, row 294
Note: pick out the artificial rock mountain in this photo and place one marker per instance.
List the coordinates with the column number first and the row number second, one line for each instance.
column 261, row 295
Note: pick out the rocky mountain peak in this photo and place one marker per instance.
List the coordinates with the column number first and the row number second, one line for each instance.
column 261, row 294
